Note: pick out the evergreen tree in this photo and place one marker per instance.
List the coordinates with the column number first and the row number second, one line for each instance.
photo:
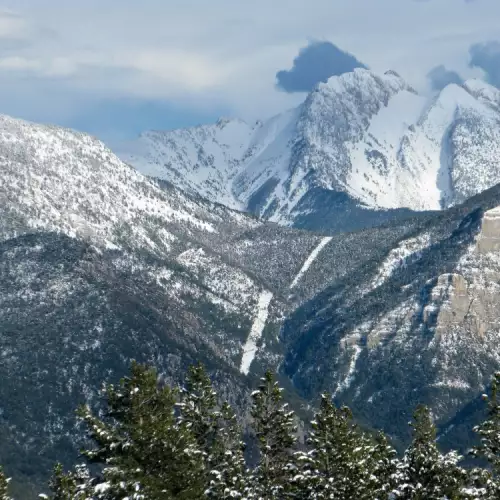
column 384, row 479
column 488, row 482
column 4, row 486
column 275, row 429
column 74, row 484
column 63, row 486
column 228, row 469
column 425, row 473
column 198, row 407
column 145, row 452
column 342, row 461
column 217, row 434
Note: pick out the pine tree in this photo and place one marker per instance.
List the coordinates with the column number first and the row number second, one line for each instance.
column 342, row 460
column 488, row 482
column 384, row 479
column 275, row 429
column 426, row 474
column 217, row 434
column 4, row 486
column 63, row 485
column 198, row 404
column 228, row 468
column 71, row 485
column 146, row 453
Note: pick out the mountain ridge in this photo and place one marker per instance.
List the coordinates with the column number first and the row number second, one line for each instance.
column 100, row 264
column 369, row 138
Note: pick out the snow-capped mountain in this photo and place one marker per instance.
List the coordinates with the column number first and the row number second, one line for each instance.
column 202, row 160
column 100, row 264
column 367, row 139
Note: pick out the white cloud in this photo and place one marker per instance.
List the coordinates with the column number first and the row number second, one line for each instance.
column 13, row 26
column 222, row 53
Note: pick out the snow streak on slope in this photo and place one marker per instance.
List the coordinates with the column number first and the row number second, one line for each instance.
column 250, row 347
column 407, row 252
column 312, row 257
column 346, row 382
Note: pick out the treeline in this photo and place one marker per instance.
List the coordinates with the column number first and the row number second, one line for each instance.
column 159, row 442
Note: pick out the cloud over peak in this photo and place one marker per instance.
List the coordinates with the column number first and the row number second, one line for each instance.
column 486, row 56
column 439, row 77
column 315, row 63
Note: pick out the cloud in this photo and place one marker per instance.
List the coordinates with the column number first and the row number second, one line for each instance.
column 486, row 56
column 316, row 63
column 64, row 61
column 439, row 77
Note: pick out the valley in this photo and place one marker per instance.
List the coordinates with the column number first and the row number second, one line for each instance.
column 350, row 245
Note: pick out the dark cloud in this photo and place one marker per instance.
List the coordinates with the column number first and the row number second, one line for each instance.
column 316, row 63
column 439, row 77
column 487, row 57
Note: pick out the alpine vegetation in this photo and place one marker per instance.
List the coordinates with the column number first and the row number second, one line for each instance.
column 154, row 441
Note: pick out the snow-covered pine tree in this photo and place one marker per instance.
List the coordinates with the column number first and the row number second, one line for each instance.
column 486, row 482
column 71, row 485
column 275, row 429
column 217, row 433
column 426, row 474
column 63, row 485
column 199, row 413
column 198, row 407
column 228, row 468
column 342, row 461
column 145, row 452
column 4, row 486
column 385, row 467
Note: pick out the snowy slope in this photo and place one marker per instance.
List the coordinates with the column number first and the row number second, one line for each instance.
column 60, row 180
column 204, row 257
column 368, row 136
column 410, row 316
column 452, row 153
column 201, row 160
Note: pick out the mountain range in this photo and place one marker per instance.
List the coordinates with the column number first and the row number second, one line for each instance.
column 362, row 149
column 211, row 257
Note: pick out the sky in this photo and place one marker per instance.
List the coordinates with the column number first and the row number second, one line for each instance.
column 114, row 68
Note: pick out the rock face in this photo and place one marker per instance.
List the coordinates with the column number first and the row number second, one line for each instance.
column 450, row 292
column 361, row 148
column 422, row 325
column 489, row 238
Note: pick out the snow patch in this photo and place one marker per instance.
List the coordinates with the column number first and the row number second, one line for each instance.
column 407, row 252
column 345, row 384
column 452, row 384
column 312, row 257
column 250, row 347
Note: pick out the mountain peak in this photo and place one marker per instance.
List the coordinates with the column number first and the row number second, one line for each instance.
column 484, row 92
column 367, row 136
column 391, row 72
column 224, row 121
column 363, row 80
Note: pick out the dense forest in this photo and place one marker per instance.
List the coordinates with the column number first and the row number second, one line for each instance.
column 154, row 441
